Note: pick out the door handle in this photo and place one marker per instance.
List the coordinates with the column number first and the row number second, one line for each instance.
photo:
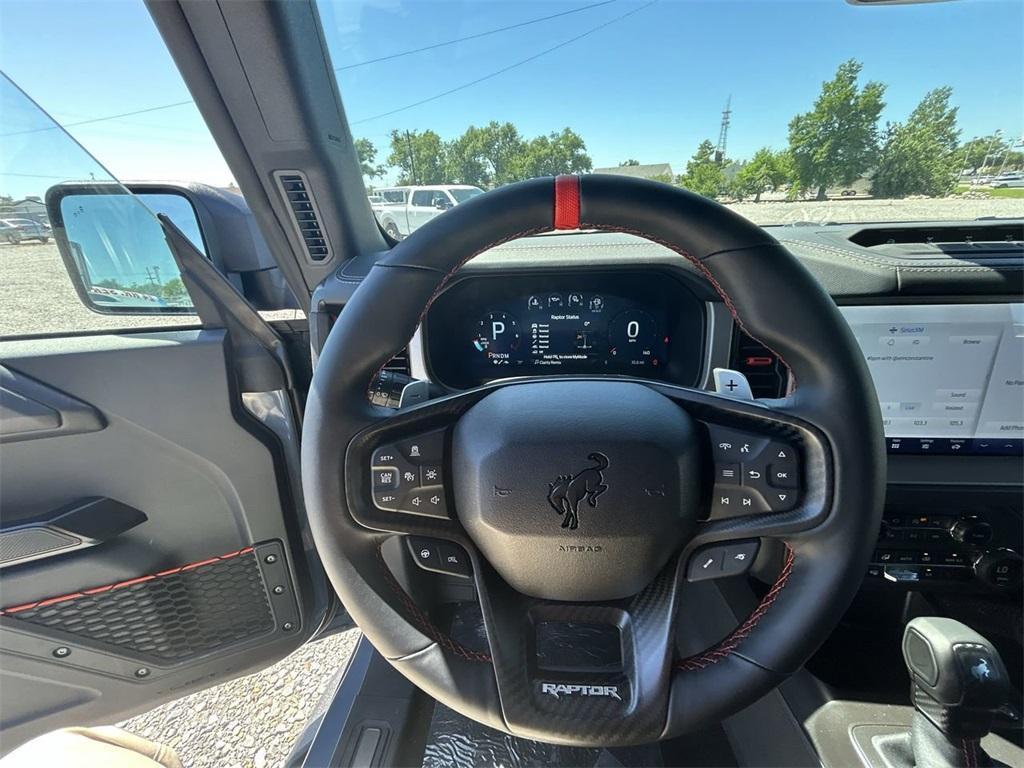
column 76, row 526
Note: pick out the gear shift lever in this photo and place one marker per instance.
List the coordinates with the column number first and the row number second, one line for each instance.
column 959, row 684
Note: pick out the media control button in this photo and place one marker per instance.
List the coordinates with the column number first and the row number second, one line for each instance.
column 734, row 502
column 429, row 501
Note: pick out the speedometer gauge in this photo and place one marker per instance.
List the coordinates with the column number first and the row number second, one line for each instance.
column 497, row 337
column 633, row 339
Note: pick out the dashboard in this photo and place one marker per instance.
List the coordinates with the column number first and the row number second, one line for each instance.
column 631, row 323
column 936, row 310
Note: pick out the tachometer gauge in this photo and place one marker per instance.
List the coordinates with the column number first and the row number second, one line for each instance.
column 497, row 337
column 634, row 339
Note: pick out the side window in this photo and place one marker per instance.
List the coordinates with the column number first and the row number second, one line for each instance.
column 79, row 252
column 83, row 255
column 422, row 197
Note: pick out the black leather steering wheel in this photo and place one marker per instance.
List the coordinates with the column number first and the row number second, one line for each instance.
column 631, row 548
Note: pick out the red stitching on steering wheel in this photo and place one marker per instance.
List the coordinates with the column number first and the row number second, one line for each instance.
column 423, row 622
column 716, row 653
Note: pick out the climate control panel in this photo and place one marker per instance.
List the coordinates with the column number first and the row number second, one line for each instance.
column 966, row 552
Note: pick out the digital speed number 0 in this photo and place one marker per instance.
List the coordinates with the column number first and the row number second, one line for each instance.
column 633, row 338
column 497, row 337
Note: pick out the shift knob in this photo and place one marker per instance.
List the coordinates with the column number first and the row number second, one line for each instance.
column 959, row 681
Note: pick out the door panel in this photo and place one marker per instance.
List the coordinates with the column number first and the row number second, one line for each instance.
column 209, row 585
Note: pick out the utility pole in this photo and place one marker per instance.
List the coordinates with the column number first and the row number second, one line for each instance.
column 412, row 158
column 967, row 155
column 995, row 138
column 723, row 132
column 1006, row 155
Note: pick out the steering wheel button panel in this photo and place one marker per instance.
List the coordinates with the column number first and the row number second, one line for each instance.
column 407, row 476
column 767, row 472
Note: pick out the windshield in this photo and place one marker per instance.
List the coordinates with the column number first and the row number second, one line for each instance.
column 802, row 111
column 462, row 195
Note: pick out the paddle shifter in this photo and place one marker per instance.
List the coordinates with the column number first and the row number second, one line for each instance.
column 959, row 684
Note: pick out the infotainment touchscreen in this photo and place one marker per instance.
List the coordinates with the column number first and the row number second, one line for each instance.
column 950, row 378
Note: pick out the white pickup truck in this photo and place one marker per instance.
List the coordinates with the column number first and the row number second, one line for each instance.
column 401, row 210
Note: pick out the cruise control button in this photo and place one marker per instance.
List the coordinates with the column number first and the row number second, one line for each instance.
column 454, row 559
column 706, row 564
column 428, row 501
column 386, row 455
column 385, row 478
column 427, row 448
column 386, row 499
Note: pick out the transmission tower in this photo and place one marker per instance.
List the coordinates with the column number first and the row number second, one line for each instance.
column 723, row 133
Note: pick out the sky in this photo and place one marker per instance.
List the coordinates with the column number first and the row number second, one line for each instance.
column 647, row 81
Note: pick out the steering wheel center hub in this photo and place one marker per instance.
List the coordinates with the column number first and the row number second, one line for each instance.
column 577, row 490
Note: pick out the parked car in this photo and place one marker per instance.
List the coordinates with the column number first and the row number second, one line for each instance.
column 15, row 230
column 406, row 209
column 1010, row 179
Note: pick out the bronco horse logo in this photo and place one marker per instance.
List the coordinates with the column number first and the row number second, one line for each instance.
column 566, row 493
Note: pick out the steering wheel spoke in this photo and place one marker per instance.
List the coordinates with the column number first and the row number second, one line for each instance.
column 398, row 474
column 567, row 670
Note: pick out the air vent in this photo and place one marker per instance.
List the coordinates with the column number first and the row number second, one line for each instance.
column 761, row 366
column 400, row 364
column 305, row 215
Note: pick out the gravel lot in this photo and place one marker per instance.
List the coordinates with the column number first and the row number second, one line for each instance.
column 251, row 721
column 37, row 296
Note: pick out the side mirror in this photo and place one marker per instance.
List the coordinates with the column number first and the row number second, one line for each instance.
column 443, row 205
column 114, row 247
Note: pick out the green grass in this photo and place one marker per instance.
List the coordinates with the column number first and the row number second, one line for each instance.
column 1005, row 192
column 1013, row 192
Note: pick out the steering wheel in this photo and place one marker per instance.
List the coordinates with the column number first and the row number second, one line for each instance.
column 627, row 461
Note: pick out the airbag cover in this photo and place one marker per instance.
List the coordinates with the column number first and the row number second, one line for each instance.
column 577, row 490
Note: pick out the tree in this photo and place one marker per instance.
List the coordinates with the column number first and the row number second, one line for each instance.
column 420, row 157
column 367, row 155
column 554, row 154
column 767, row 170
column 837, row 140
column 496, row 154
column 920, row 157
column 703, row 175
column 488, row 156
column 627, row 163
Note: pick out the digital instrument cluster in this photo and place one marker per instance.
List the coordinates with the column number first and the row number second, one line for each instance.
column 645, row 325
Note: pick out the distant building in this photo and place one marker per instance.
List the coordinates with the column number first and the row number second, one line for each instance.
column 660, row 171
column 28, row 208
